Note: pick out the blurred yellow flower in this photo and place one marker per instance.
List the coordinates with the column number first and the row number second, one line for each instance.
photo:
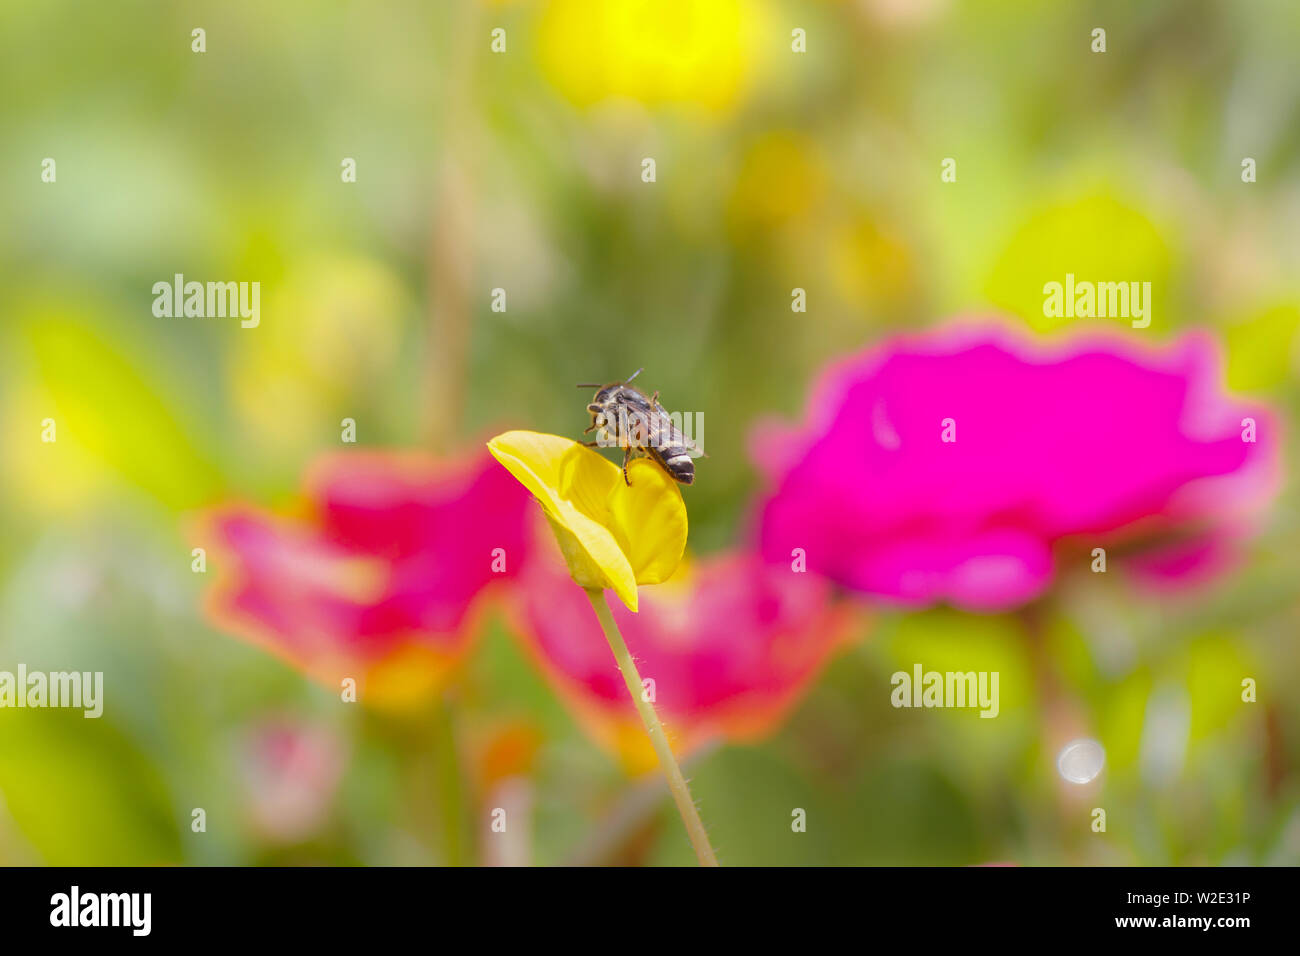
column 330, row 328
column 1096, row 237
column 667, row 51
column 111, row 412
column 871, row 265
column 59, row 476
column 782, row 179
column 613, row 535
column 1262, row 351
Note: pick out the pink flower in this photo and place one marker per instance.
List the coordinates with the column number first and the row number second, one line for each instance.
column 729, row 643
column 946, row 466
column 385, row 578
column 289, row 773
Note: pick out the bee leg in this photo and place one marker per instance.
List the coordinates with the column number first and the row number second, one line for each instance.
column 589, row 444
column 626, row 455
column 654, row 400
column 588, row 429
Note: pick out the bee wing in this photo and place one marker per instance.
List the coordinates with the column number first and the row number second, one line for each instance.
column 639, row 402
column 689, row 444
column 669, row 427
column 637, row 399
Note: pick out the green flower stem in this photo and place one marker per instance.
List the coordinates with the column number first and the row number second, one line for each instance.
column 450, row 790
column 676, row 782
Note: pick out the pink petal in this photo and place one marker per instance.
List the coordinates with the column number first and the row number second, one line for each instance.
column 1083, row 438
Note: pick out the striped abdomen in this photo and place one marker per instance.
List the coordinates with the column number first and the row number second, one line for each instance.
column 676, row 460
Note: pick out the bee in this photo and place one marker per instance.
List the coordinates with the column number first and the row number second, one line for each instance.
column 625, row 417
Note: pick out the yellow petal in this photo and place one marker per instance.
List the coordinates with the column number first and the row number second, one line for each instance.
column 649, row 520
column 594, row 559
column 545, row 463
column 572, row 483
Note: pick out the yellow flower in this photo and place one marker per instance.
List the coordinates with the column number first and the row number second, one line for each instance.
column 699, row 52
column 781, row 181
column 613, row 535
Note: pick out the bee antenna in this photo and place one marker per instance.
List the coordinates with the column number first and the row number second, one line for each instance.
column 634, row 375
column 585, row 385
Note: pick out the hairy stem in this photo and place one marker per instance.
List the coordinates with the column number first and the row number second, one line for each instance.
column 658, row 739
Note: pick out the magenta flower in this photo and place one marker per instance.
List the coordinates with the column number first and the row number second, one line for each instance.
column 729, row 643
column 383, row 582
column 947, row 466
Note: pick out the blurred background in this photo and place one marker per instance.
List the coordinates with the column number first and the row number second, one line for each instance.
column 522, row 171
